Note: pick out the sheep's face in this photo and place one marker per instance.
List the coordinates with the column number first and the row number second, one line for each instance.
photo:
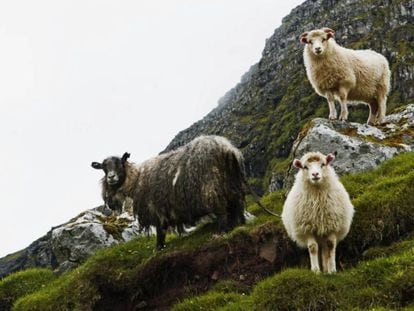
column 314, row 166
column 317, row 40
column 114, row 168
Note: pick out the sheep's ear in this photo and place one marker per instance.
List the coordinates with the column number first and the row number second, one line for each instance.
column 125, row 157
column 303, row 38
column 297, row 163
column 329, row 158
column 330, row 32
column 96, row 165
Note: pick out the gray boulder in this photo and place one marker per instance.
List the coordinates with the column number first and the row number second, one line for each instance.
column 357, row 147
column 68, row 245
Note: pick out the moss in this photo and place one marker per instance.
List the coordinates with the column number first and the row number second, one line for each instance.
column 295, row 289
column 383, row 213
column 245, row 303
column 22, row 283
column 394, row 140
column 385, row 251
column 225, row 295
column 382, row 283
column 211, row 301
column 79, row 289
column 115, row 226
column 231, row 286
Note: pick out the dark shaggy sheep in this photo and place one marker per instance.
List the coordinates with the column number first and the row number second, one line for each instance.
column 177, row 188
column 119, row 181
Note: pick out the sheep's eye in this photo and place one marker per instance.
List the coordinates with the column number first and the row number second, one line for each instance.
column 323, row 164
column 323, row 40
column 305, row 167
column 310, row 41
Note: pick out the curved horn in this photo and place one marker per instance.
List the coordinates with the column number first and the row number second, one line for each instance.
column 125, row 156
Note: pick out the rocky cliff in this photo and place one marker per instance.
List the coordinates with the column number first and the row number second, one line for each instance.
column 264, row 113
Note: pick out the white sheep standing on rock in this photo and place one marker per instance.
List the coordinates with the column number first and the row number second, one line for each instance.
column 318, row 212
column 346, row 75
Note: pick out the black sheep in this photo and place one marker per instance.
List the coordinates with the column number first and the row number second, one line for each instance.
column 177, row 188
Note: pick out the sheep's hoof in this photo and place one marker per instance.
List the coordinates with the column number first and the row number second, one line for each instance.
column 343, row 117
column 379, row 122
column 160, row 247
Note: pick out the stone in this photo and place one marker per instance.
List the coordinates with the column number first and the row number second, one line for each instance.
column 68, row 245
column 357, row 147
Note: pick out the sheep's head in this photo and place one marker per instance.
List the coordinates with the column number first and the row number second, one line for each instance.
column 314, row 166
column 114, row 168
column 317, row 40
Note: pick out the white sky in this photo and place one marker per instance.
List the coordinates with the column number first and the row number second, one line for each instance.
column 84, row 79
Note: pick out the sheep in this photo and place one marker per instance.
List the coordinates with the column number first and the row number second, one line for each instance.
column 178, row 188
column 343, row 74
column 118, row 183
column 318, row 212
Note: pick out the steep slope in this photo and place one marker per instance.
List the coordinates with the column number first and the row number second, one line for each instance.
column 66, row 246
column 263, row 114
column 131, row 276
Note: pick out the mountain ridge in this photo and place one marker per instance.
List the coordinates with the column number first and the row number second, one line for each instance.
column 264, row 112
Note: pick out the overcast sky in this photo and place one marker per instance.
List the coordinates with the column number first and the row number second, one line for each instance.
column 84, row 79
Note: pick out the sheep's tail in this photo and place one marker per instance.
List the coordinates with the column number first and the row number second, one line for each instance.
column 256, row 197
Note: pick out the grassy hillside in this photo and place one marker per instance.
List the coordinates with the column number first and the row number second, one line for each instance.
column 241, row 269
column 385, row 283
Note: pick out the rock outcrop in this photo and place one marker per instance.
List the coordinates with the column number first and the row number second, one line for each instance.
column 70, row 244
column 358, row 147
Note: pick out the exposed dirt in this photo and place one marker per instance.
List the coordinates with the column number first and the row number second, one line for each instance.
column 169, row 278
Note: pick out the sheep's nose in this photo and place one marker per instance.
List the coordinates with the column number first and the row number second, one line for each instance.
column 316, row 174
column 318, row 49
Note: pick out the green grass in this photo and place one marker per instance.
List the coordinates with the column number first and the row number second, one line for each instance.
column 22, row 283
column 386, row 283
column 383, row 199
column 211, row 301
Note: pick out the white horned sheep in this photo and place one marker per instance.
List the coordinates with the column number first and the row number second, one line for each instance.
column 346, row 75
column 178, row 188
column 318, row 212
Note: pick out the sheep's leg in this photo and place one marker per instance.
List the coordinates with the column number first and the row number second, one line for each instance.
column 239, row 206
column 332, row 109
column 343, row 95
column 373, row 112
column 331, row 247
column 235, row 212
column 325, row 256
column 313, row 254
column 223, row 223
column 160, row 237
column 382, row 102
